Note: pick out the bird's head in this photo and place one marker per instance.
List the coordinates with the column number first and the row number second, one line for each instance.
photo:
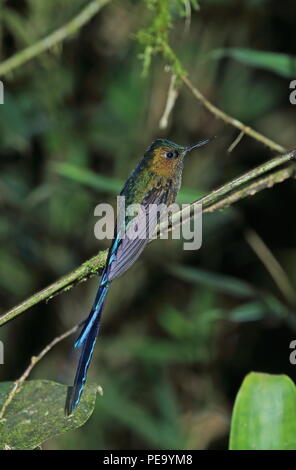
column 165, row 157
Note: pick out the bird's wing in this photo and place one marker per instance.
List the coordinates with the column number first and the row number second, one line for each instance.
column 124, row 251
column 139, row 230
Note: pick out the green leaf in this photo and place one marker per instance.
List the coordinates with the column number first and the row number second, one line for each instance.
column 264, row 415
column 36, row 413
column 89, row 178
column 281, row 64
column 110, row 185
column 221, row 282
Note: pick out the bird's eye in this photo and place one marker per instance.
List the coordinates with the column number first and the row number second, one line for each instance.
column 170, row 154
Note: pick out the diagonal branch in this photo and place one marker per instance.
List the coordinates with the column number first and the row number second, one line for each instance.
column 230, row 120
column 81, row 19
column 86, row 270
column 52, row 39
column 245, row 185
column 221, row 198
column 262, row 177
column 272, row 266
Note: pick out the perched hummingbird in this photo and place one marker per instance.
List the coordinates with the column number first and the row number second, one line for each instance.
column 155, row 180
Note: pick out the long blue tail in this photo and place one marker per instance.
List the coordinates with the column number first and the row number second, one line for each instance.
column 87, row 338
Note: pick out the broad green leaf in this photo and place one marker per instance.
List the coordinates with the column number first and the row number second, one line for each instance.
column 36, row 413
column 111, row 185
column 89, row 178
column 282, row 64
column 264, row 415
column 216, row 281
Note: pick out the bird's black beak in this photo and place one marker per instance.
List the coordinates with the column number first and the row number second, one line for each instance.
column 198, row 144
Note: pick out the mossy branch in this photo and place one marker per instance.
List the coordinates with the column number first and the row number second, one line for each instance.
column 264, row 176
column 86, row 270
column 154, row 39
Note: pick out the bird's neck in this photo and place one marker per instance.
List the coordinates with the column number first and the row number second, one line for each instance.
column 165, row 168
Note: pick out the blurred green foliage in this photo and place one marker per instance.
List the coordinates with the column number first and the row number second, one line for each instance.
column 181, row 328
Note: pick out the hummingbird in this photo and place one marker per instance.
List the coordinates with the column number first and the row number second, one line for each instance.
column 155, row 180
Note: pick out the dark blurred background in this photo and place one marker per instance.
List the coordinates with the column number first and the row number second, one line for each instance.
column 181, row 328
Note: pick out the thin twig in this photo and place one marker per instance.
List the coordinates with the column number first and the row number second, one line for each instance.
column 227, row 200
column 170, row 103
column 52, row 39
column 82, row 18
column 222, row 197
column 272, row 265
column 34, row 360
column 235, row 142
column 169, row 55
column 229, row 119
column 215, row 198
column 250, row 190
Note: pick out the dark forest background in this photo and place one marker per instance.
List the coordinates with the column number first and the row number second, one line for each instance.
column 181, row 328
